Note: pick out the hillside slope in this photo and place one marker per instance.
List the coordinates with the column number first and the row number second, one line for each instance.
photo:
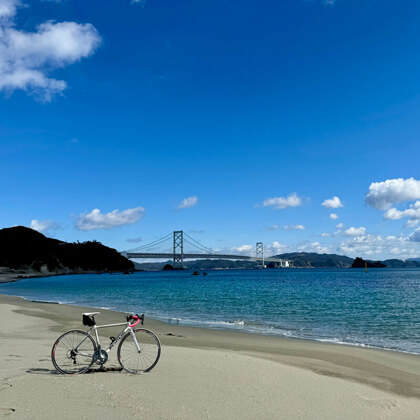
column 25, row 249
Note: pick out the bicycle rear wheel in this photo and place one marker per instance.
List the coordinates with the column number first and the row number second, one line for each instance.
column 133, row 360
column 73, row 352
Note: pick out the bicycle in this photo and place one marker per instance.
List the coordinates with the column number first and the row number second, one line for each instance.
column 76, row 351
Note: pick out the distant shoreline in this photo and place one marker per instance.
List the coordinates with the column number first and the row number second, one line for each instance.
column 14, row 277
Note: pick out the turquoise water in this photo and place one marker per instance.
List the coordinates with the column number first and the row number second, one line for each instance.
column 378, row 309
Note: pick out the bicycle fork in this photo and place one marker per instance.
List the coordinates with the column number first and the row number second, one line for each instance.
column 135, row 341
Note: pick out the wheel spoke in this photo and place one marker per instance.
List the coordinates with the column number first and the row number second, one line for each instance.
column 134, row 361
column 73, row 352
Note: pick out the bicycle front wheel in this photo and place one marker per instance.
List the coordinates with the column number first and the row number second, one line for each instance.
column 73, row 352
column 139, row 351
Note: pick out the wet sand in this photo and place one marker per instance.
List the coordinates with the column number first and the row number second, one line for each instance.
column 202, row 373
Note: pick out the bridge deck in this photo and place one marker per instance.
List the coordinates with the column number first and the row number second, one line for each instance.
column 141, row 255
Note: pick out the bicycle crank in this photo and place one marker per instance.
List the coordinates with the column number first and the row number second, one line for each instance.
column 100, row 357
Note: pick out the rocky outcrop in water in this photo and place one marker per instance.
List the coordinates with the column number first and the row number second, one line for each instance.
column 361, row 263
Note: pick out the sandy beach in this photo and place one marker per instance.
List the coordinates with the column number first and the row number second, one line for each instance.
column 201, row 374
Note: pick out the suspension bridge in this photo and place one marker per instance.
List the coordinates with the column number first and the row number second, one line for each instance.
column 179, row 246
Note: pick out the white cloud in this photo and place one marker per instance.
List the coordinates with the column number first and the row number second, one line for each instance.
column 294, row 227
column 413, row 214
column 382, row 195
column 188, row 202
column 27, row 58
column 272, row 227
column 274, row 248
column 353, row 231
column 333, row 216
column 8, row 8
column 44, row 226
column 380, row 247
column 327, row 235
column 340, row 226
column 415, row 236
column 332, row 203
column 313, row 247
column 142, row 3
column 97, row 220
column 243, row 249
column 292, row 200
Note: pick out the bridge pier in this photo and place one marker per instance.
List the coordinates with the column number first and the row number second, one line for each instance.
column 259, row 253
column 178, row 249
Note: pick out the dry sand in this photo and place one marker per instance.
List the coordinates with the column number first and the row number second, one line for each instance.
column 201, row 374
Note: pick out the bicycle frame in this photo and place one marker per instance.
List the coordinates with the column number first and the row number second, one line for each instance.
column 128, row 328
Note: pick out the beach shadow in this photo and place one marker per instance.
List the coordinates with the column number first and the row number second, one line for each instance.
column 105, row 370
column 43, row 371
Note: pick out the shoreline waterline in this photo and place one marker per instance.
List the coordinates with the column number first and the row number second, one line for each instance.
column 181, row 324
column 394, row 372
column 380, row 310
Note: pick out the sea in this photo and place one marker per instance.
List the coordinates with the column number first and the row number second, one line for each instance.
column 380, row 308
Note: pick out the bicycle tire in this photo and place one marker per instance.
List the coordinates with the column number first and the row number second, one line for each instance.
column 72, row 352
column 134, row 361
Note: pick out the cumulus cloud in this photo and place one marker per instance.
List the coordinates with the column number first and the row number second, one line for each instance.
column 382, row 195
column 188, row 202
column 44, row 226
column 243, row 249
column 274, row 248
column 333, row 216
column 313, row 247
column 332, row 203
column 272, row 227
column 292, row 200
column 336, row 233
column 380, row 247
column 28, row 58
column 412, row 213
column 97, row 220
column 294, row 227
column 353, row 231
column 340, row 226
column 8, row 8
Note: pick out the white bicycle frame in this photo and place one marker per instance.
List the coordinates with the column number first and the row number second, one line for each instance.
column 112, row 344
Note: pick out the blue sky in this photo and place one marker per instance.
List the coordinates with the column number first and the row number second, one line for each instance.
column 253, row 112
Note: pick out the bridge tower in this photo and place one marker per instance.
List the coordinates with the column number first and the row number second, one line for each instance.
column 178, row 249
column 259, row 253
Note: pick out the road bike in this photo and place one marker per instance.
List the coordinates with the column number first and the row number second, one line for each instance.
column 76, row 351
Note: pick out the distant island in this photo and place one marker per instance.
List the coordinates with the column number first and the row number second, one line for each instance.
column 25, row 252
column 361, row 263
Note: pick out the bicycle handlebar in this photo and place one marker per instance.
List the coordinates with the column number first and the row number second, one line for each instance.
column 137, row 318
